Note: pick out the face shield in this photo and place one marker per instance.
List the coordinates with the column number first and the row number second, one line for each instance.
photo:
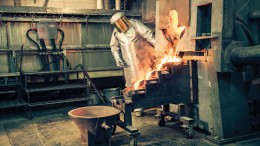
column 120, row 22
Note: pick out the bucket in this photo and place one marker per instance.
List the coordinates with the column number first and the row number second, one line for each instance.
column 110, row 92
column 95, row 123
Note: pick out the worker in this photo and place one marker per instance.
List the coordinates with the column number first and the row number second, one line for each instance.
column 132, row 48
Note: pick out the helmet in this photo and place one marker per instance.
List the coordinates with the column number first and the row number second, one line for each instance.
column 119, row 20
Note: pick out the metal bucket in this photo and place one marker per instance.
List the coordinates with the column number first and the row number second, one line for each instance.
column 110, row 92
column 95, row 123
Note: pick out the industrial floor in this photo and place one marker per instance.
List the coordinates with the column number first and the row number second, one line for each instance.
column 54, row 128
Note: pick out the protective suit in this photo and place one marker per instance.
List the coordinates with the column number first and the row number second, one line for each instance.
column 131, row 45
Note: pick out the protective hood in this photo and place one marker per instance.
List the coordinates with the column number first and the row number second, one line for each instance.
column 120, row 22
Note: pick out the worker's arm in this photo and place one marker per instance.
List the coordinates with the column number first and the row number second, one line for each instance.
column 144, row 31
column 114, row 45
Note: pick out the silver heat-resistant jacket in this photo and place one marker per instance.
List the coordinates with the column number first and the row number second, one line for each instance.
column 133, row 47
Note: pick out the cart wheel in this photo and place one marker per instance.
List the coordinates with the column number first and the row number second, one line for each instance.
column 161, row 122
column 113, row 129
column 189, row 133
column 133, row 142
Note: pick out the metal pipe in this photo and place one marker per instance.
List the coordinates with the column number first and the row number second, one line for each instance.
column 100, row 4
column 245, row 55
column 118, row 4
column 23, row 19
column 45, row 4
column 107, row 4
column 255, row 14
column 19, row 10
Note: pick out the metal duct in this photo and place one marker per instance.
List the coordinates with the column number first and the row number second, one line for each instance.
column 245, row 55
column 100, row 4
column 118, row 4
column 107, row 4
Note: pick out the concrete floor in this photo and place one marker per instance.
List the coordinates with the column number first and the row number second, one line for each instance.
column 54, row 128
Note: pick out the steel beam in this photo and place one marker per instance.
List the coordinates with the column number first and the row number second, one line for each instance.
column 63, row 11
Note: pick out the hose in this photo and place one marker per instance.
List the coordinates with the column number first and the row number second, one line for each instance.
column 56, row 60
column 36, row 44
column 43, row 59
column 60, row 44
column 60, row 49
column 62, row 38
column 46, row 58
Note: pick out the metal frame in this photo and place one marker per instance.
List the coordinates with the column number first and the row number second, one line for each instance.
column 83, row 16
column 11, row 81
column 66, row 86
column 165, row 89
column 35, row 14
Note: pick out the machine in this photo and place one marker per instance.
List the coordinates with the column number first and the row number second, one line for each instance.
column 220, row 41
column 163, row 87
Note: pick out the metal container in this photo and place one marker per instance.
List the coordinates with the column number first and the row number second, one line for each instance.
column 110, row 92
column 95, row 123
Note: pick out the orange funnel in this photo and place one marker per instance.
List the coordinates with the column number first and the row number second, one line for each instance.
column 94, row 123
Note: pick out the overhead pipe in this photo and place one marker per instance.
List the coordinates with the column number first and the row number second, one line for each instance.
column 255, row 14
column 245, row 55
column 118, row 4
column 100, row 4
column 107, row 4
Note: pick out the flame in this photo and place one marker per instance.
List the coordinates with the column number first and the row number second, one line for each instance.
column 148, row 75
column 171, row 55
column 136, row 84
